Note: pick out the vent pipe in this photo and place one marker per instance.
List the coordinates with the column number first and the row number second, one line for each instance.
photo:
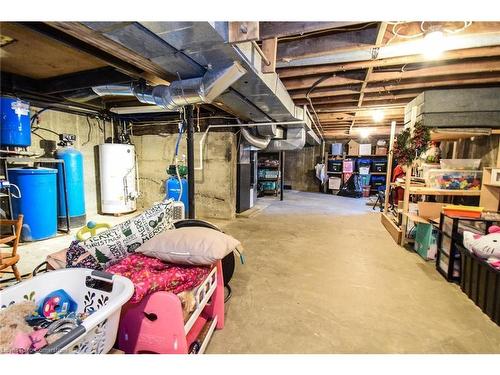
column 295, row 140
column 257, row 142
column 179, row 93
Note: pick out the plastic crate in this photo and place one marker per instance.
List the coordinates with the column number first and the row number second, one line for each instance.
column 334, row 165
column 379, row 166
column 481, row 283
column 450, row 179
column 96, row 291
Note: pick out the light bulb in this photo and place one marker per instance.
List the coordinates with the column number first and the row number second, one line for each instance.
column 433, row 44
column 378, row 115
column 365, row 132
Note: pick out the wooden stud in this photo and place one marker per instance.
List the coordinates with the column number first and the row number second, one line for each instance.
column 269, row 47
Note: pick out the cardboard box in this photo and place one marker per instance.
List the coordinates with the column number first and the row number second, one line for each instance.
column 381, row 150
column 353, row 147
column 365, row 149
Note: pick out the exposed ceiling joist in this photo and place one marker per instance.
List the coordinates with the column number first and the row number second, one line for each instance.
column 324, row 44
column 369, row 71
column 285, row 29
column 333, row 68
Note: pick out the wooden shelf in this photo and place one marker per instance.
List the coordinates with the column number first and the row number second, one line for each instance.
column 423, row 190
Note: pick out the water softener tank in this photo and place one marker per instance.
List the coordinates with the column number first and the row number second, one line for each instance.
column 73, row 163
column 15, row 130
column 173, row 186
column 38, row 201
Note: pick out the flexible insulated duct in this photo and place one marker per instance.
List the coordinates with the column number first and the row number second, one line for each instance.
column 179, row 93
column 295, row 140
column 255, row 141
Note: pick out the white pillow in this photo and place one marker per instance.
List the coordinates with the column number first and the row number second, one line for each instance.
column 191, row 245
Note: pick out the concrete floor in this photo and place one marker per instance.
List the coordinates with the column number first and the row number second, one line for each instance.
column 323, row 276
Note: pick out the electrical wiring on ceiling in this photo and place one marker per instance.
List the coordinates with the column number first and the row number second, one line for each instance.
column 398, row 26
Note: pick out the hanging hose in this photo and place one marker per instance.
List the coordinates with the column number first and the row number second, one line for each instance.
column 18, row 191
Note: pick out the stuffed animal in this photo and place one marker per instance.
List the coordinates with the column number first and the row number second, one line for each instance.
column 12, row 324
column 484, row 246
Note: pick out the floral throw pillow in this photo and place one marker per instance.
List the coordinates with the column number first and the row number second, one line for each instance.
column 114, row 244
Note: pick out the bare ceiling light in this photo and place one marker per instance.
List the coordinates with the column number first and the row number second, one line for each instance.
column 433, row 43
column 378, row 115
column 364, row 132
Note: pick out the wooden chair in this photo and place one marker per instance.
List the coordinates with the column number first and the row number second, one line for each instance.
column 10, row 259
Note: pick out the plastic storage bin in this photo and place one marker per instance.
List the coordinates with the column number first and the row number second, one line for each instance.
column 481, row 283
column 348, row 166
column 450, row 179
column 334, row 165
column 377, row 181
column 101, row 292
column 379, row 166
column 461, row 164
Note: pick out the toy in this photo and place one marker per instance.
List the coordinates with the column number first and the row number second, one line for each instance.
column 90, row 229
column 56, row 305
column 484, row 246
column 12, row 323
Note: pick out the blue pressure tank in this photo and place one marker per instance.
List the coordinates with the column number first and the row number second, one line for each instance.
column 38, row 201
column 173, row 189
column 15, row 129
column 73, row 163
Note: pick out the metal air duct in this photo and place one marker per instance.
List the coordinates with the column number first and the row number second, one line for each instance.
column 295, row 140
column 180, row 93
column 257, row 142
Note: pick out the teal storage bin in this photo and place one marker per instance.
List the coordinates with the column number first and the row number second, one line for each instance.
column 426, row 241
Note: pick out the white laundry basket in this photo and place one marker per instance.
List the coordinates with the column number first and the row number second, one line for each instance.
column 96, row 291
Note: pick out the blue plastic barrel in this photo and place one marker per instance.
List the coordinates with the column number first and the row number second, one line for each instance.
column 38, row 202
column 173, row 189
column 15, row 129
column 73, row 162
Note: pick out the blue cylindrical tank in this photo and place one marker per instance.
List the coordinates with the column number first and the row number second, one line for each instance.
column 73, row 162
column 15, row 129
column 38, row 202
column 173, row 189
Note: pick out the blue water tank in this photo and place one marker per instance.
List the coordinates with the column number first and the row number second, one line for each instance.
column 73, row 162
column 38, row 201
column 15, row 129
column 173, row 189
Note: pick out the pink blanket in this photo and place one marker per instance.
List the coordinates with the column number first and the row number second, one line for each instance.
column 152, row 275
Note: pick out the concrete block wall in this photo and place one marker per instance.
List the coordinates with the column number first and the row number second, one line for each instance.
column 86, row 142
column 215, row 185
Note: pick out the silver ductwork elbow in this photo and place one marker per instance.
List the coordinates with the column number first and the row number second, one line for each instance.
column 295, row 140
column 179, row 93
column 257, row 142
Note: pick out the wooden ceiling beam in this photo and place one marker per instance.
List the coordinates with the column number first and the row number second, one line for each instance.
column 342, row 79
column 451, row 70
column 333, row 68
column 369, row 96
column 320, row 45
column 413, row 84
column 285, row 29
column 380, row 35
column 150, row 71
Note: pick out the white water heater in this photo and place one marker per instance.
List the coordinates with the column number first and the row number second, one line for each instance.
column 118, row 178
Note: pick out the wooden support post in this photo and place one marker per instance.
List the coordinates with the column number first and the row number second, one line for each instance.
column 390, row 157
column 270, row 47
